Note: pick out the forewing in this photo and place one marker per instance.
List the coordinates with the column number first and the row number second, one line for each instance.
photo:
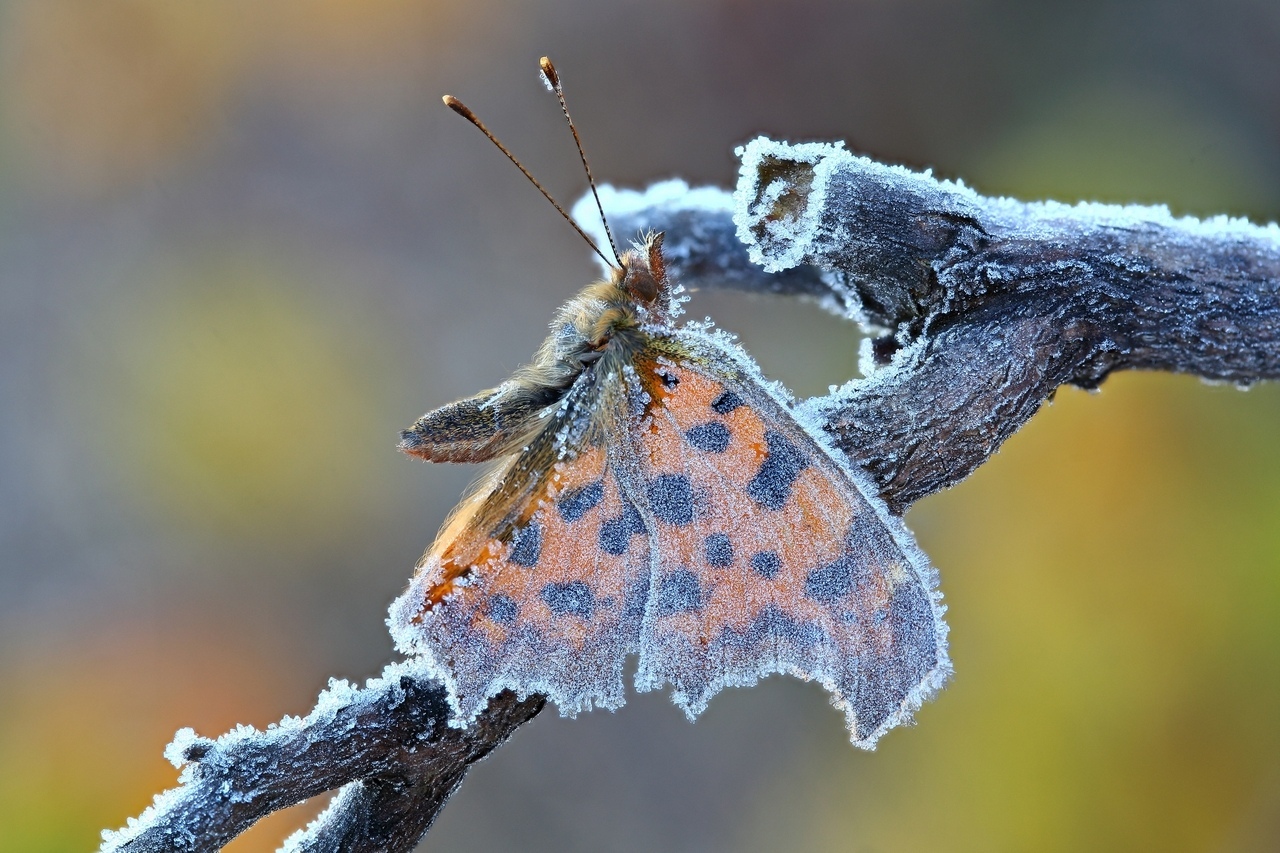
column 487, row 426
column 539, row 583
column 770, row 554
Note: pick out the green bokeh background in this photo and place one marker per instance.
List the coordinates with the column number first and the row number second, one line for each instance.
column 242, row 245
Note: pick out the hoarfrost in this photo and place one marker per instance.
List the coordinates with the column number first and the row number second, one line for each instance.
column 184, row 742
column 787, row 221
column 664, row 197
column 190, row 751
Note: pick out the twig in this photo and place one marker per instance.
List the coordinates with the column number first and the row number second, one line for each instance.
column 983, row 306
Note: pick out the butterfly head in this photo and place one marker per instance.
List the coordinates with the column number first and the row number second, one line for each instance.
column 643, row 274
column 610, row 317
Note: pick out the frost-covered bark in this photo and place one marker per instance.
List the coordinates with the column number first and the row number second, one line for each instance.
column 388, row 743
column 982, row 307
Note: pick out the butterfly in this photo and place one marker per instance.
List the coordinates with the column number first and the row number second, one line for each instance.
column 654, row 495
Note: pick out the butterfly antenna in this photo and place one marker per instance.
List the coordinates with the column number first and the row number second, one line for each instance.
column 553, row 81
column 463, row 110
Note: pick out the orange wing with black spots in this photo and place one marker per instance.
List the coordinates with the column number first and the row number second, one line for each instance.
column 539, row 583
column 657, row 496
column 676, row 508
column 654, row 494
column 770, row 555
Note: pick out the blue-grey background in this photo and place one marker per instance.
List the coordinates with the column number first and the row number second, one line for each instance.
column 242, row 244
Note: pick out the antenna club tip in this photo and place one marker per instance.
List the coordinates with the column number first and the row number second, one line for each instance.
column 549, row 71
column 458, row 107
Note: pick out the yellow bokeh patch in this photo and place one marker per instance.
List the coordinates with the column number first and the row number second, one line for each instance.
column 238, row 402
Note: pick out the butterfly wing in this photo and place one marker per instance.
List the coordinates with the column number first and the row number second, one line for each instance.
column 672, row 505
column 490, row 425
column 538, row 584
column 770, row 554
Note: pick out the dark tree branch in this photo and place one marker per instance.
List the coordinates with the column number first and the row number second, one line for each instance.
column 388, row 743
column 983, row 308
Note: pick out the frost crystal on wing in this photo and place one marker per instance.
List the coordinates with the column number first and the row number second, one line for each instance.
column 713, row 533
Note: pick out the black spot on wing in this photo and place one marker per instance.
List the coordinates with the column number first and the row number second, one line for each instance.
column 636, row 598
column 773, row 624
column 671, row 499
column 771, row 486
column 830, row 583
column 615, row 537
column 679, row 592
column 616, row 533
column 573, row 598
column 575, row 503
column 718, row 550
column 712, row 437
column 766, row 563
column 726, row 403
column 502, row 609
column 526, row 545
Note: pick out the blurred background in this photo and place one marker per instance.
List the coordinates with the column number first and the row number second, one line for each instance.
column 242, row 244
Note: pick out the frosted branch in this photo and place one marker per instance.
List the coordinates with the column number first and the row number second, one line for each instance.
column 982, row 307
column 389, row 745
